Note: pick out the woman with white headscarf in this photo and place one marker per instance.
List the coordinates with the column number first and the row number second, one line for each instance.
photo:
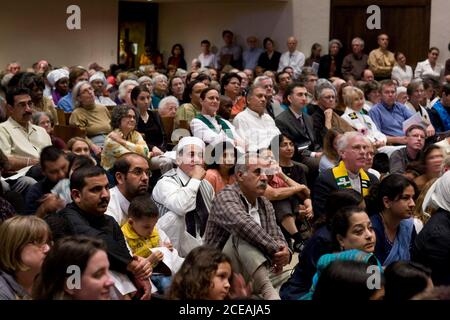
column 432, row 245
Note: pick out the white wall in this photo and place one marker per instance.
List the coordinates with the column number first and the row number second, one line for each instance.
column 32, row 30
column 189, row 23
column 440, row 27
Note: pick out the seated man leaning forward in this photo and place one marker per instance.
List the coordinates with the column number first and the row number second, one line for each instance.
column 184, row 197
column 348, row 174
column 242, row 223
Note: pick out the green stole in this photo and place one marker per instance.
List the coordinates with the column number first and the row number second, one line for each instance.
column 224, row 125
column 343, row 181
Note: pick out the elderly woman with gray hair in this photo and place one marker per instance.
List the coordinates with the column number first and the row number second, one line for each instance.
column 45, row 120
column 330, row 64
column 324, row 117
column 125, row 89
column 124, row 138
column 87, row 115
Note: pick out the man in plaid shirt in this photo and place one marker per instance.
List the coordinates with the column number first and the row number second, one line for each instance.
column 242, row 223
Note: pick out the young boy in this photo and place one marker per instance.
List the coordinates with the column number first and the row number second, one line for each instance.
column 145, row 240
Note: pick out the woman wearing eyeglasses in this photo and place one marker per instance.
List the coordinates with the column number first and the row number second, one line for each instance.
column 124, row 138
column 25, row 242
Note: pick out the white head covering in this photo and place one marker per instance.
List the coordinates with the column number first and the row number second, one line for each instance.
column 400, row 89
column 56, row 75
column 439, row 194
column 98, row 76
column 190, row 140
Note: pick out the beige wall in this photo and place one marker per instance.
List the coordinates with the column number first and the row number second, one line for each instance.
column 37, row 30
column 440, row 28
column 189, row 23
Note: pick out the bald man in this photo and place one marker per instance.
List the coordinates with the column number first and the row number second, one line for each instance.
column 292, row 58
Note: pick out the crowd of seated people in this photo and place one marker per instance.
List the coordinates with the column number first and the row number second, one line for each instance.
column 205, row 180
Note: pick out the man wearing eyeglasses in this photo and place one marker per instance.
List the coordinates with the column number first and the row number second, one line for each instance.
column 132, row 174
column 184, row 197
column 352, row 148
column 21, row 141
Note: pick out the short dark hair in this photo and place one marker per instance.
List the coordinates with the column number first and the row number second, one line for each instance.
column 122, row 164
column 50, row 154
column 269, row 39
column 227, row 78
column 143, row 206
column 290, row 88
column 415, row 127
column 205, row 42
column 74, row 74
column 137, row 91
column 78, row 177
column 340, row 222
column 225, row 32
column 15, row 91
column 206, row 90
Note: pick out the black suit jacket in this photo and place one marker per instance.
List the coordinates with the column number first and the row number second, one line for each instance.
column 289, row 125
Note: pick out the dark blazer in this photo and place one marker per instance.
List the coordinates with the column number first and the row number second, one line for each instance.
column 269, row 64
column 289, row 125
column 325, row 64
column 326, row 183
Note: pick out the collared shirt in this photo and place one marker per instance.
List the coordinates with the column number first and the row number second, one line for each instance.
column 381, row 62
column 258, row 131
column 209, row 60
column 355, row 180
column 425, row 70
column 253, row 211
column 15, row 140
column 295, row 60
column 201, row 130
column 250, row 58
column 230, row 216
column 353, row 66
column 402, row 75
column 390, row 120
column 118, row 206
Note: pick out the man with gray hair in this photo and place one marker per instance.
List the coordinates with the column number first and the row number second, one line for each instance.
column 184, row 197
column 242, row 223
column 348, row 174
column 292, row 58
column 354, row 63
column 273, row 107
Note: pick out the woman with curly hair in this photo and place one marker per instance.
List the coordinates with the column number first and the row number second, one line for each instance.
column 204, row 275
column 124, row 138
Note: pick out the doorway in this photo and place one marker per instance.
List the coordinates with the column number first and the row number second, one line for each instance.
column 138, row 27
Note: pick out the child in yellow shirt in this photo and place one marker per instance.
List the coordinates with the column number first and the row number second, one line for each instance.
column 142, row 236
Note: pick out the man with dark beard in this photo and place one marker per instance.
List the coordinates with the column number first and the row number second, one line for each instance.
column 132, row 174
column 89, row 189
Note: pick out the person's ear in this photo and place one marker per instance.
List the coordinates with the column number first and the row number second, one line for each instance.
column 120, row 177
column 130, row 221
column 340, row 240
column 289, row 98
column 386, row 202
column 239, row 176
column 76, row 195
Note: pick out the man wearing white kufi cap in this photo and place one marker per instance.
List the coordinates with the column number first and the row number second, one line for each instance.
column 184, row 197
column 98, row 83
column 59, row 82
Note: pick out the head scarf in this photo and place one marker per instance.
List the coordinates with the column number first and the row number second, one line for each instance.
column 56, row 75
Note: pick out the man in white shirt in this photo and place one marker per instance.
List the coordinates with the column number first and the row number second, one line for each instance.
column 292, row 58
column 20, row 140
column 184, row 197
column 207, row 58
column 132, row 173
column 253, row 124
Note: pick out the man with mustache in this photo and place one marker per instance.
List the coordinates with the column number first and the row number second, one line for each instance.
column 132, row 173
column 348, row 174
column 21, row 141
column 242, row 223
column 86, row 216
column 184, row 197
